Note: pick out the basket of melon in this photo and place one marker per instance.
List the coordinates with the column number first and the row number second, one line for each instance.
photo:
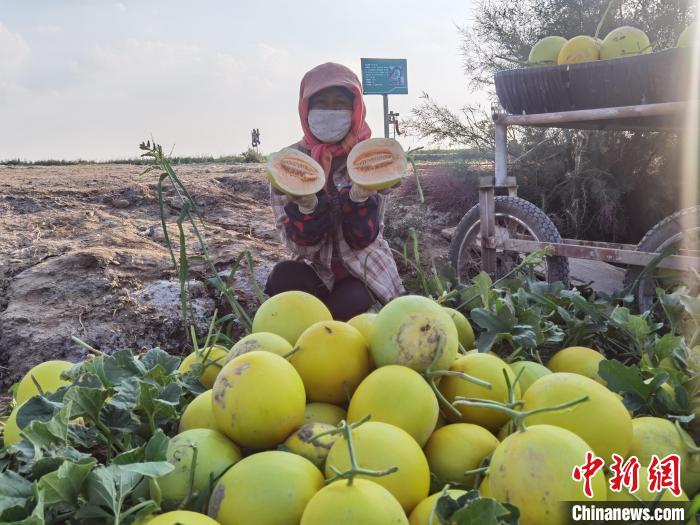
column 586, row 72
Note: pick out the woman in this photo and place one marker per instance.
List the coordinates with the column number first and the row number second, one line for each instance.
column 335, row 235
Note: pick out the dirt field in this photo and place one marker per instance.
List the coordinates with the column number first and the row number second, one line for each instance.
column 82, row 253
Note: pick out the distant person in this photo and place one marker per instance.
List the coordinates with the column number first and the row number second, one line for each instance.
column 335, row 235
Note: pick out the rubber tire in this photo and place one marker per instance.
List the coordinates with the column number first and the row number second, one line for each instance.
column 651, row 242
column 541, row 225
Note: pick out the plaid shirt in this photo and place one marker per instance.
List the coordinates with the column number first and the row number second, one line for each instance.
column 372, row 264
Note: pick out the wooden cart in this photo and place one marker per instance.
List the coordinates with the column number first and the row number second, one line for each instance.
column 500, row 226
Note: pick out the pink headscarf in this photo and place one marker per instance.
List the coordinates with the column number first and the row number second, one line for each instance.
column 321, row 77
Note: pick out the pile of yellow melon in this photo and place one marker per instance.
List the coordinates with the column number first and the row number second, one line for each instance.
column 304, row 400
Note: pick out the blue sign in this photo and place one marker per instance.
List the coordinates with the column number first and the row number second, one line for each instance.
column 384, row 76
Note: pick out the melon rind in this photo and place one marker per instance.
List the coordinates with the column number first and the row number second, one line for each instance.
column 580, row 49
column 290, row 184
column 546, row 51
column 623, row 42
column 376, row 164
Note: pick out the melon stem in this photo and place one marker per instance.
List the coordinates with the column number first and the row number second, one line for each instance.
column 190, row 485
column 157, row 492
column 206, row 362
column 355, row 469
column 86, row 346
column 339, row 430
column 136, row 508
column 37, row 385
column 443, row 399
column 461, row 375
column 290, row 354
column 511, row 386
column 473, row 471
column 484, row 464
column 431, row 374
column 605, row 17
column 518, row 417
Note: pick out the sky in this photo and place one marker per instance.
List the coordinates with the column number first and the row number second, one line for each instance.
column 91, row 79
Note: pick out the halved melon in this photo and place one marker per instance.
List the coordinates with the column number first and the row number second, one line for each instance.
column 376, row 164
column 292, row 172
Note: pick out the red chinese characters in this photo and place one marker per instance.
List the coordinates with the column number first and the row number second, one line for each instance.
column 625, row 474
column 586, row 471
column 664, row 474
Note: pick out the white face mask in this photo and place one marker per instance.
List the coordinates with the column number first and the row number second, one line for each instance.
column 330, row 125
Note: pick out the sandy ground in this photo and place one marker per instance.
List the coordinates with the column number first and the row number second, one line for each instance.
column 82, row 253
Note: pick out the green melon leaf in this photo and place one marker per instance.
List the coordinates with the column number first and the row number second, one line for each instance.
column 15, row 491
column 38, row 408
column 157, row 447
column 65, row 485
column 150, row 469
column 134, row 455
column 107, row 489
column 86, row 402
column 37, row 515
column 471, row 509
column 157, row 357
column 480, row 512
column 627, row 381
column 49, row 434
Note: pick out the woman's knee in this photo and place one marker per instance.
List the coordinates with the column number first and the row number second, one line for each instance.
column 293, row 275
column 348, row 299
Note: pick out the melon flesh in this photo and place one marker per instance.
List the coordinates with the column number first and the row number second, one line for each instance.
column 292, row 172
column 625, row 41
column 579, row 49
column 546, row 51
column 376, row 164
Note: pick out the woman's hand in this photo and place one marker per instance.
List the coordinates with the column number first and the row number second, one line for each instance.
column 307, row 203
column 360, row 220
column 360, row 194
column 308, row 219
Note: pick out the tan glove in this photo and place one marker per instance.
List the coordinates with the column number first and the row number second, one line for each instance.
column 360, row 194
column 307, row 203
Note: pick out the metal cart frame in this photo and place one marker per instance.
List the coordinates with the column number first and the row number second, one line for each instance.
column 648, row 117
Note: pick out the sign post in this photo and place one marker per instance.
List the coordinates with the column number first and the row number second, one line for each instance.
column 384, row 76
column 385, row 98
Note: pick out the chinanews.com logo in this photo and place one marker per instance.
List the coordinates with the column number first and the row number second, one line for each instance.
column 661, row 475
column 618, row 512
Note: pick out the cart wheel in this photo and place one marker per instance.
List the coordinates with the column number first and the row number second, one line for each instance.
column 515, row 218
column 682, row 230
